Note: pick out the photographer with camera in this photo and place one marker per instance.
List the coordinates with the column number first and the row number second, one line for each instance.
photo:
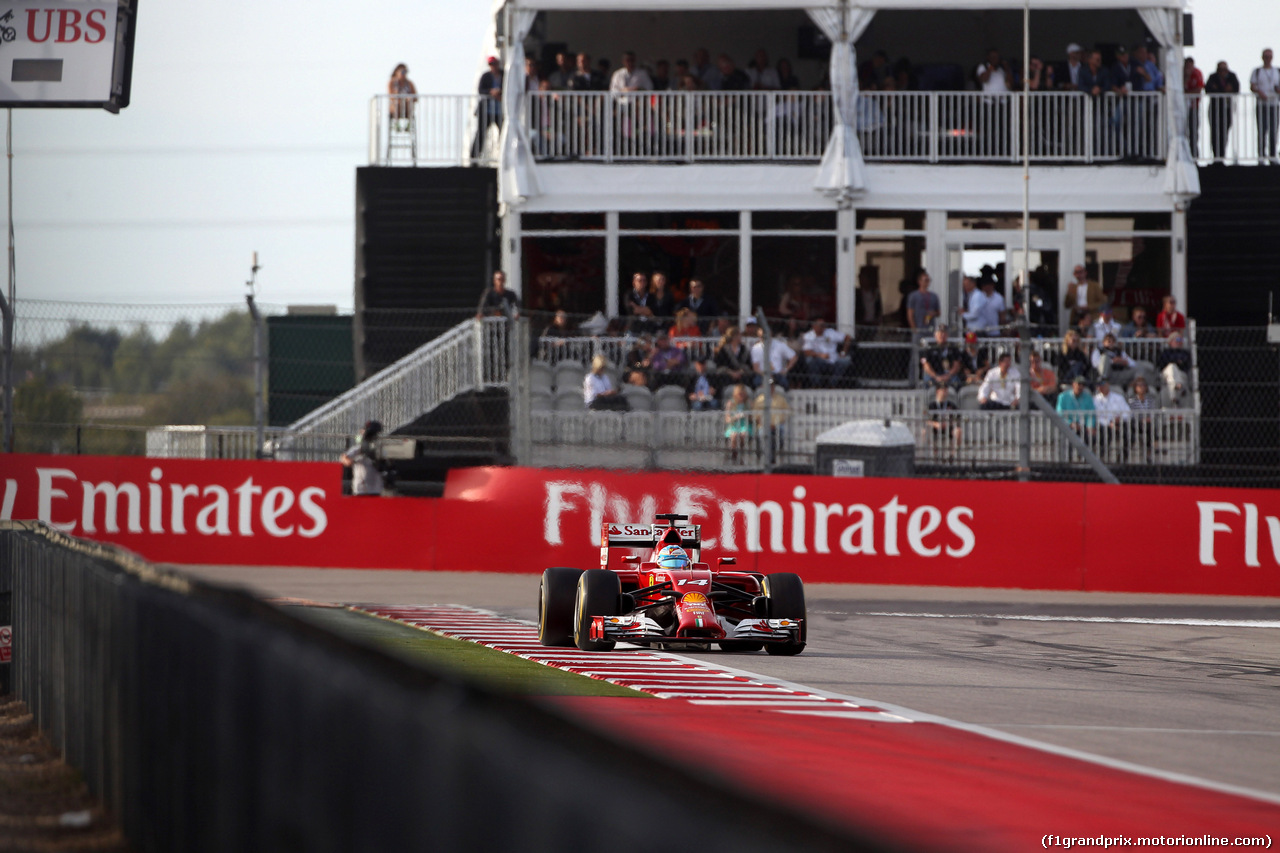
column 362, row 458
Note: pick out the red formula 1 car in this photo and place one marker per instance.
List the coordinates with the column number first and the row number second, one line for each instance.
column 669, row 598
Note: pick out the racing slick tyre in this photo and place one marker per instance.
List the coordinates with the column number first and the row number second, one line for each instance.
column 555, row 606
column 786, row 601
column 740, row 646
column 598, row 591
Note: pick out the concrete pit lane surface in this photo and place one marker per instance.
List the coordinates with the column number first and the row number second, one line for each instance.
column 1169, row 700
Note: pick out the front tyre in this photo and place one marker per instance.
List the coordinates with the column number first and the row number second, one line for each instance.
column 785, row 592
column 556, row 595
column 598, row 592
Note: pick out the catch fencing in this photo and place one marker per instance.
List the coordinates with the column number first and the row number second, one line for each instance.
column 207, row 720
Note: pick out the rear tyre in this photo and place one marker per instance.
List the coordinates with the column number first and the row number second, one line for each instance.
column 740, row 646
column 786, row 601
column 555, row 606
column 598, row 591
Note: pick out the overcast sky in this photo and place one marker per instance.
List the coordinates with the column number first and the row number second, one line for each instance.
column 247, row 123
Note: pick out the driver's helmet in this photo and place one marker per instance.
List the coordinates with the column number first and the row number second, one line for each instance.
column 673, row 557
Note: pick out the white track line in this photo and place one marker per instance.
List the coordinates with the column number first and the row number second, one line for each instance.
column 1118, row 620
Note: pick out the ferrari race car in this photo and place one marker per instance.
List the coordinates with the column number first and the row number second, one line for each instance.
column 669, row 598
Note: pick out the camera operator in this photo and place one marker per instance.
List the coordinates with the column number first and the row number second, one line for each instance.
column 362, row 458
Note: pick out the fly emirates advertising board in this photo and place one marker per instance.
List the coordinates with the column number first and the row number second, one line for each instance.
column 1067, row 536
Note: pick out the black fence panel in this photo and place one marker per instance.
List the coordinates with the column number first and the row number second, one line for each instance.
column 208, row 720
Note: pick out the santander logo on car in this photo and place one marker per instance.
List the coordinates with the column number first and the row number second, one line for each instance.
column 799, row 525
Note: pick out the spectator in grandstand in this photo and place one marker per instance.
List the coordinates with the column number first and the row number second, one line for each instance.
column 489, row 110
column 551, row 340
column 1002, row 387
column 364, row 461
column 1040, row 76
column 793, row 306
column 1140, row 401
column 1265, row 83
column 560, row 77
column 1082, row 294
column 1094, row 78
column 787, row 80
column 874, row 71
column 1170, row 318
column 761, row 74
column 904, row 78
column 1138, row 326
column 732, row 78
column 944, row 419
column 1111, row 362
column 532, row 75
column 976, row 360
column 1147, row 74
column 702, row 394
column 1068, row 76
column 663, row 304
column 1105, row 324
column 986, row 309
column 598, row 391
column 585, row 78
column 661, row 75
column 497, row 301
column 667, row 364
column 732, row 361
column 685, row 328
column 705, row 71
column 1174, row 365
column 639, row 305
column 401, row 90
column 703, row 306
column 737, row 421
column 637, row 377
column 868, row 307
column 637, row 357
column 1122, row 73
column 1072, row 361
column 1113, row 419
column 993, row 74
column 1075, row 406
column 1221, row 82
column 826, row 356
column 781, row 359
column 681, row 71
column 943, row 362
column 968, row 287
column 1193, row 85
column 1043, row 380
column 630, row 77
column 923, row 306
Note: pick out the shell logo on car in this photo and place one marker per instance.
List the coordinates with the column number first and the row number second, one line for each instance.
column 695, row 599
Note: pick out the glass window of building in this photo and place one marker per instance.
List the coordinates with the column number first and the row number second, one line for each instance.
column 794, row 279
column 563, row 273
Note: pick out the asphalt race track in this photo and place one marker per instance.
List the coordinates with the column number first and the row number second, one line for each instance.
column 1184, row 686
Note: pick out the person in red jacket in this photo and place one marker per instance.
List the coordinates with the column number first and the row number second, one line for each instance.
column 1170, row 319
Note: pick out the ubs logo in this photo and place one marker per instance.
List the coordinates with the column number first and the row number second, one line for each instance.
column 7, row 33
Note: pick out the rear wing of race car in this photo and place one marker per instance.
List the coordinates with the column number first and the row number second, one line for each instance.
column 648, row 536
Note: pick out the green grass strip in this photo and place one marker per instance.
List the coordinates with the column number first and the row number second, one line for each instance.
column 468, row 661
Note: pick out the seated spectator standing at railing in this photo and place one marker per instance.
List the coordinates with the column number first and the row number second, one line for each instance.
column 1076, row 407
column 986, row 309
column 732, row 78
column 489, row 112
column 552, row 337
column 1002, row 387
column 637, row 358
column 1148, row 78
column 762, row 76
column 996, row 80
column 705, row 70
column 703, row 306
column 1040, row 76
column 942, row 364
column 1067, row 77
column 639, row 305
column 1142, row 402
column 923, row 306
column 944, row 420
column 1043, row 380
column 685, row 328
column 781, row 359
column 701, row 393
column 563, row 73
column 1138, row 326
column 585, row 78
column 661, row 76
column 1105, row 324
column 1222, row 82
column 1174, row 364
column 976, row 360
column 401, row 90
column 1095, row 81
column 1082, row 294
column 1113, row 419
column 1111, row 362
column 1170, row 318
column 664, row 303
column 826, row 356
column 732, row 361
column 497, row 301
column 738, row 425
column 1265, row 83
column 631, row 110
column 667, row 364
column 1193, row 85
column 1072, row 361
column 598, row 392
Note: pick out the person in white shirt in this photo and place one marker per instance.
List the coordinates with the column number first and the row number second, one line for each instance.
column 1112, row 362
column 1113, row 418
column 781, row 359
column 630, row 77
column 1002, row 387
column 996, row 79
column 632, row 113
column 994, row 74
column 761, row 75
column 1105, row 325
column 1265, row 83
column 985, row 309
column 597, row 388
column 824, row 361
column 362, row 459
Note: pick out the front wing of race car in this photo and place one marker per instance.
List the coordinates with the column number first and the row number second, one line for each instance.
column 639, row 628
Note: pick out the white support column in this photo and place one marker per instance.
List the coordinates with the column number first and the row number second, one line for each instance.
column 1178, row 261
column 1073, row 226
column 846, row 269
column 611, row 264
column 935, row 256
column 745, row 308
column 510, row 254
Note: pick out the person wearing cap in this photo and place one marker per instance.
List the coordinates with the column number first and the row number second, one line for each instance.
column 489, row 111
column 1001, row 389
column 986, row 309
column 1113, row 419
column 1105, row 325
column 1075, row 406
column 976, row 362
column 1112, row 362
column 1069, row 78
column 362, row 458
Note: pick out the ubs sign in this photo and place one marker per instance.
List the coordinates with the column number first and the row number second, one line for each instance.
column 66, row 53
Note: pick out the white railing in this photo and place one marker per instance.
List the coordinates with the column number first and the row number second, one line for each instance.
column 434, row 130
column 472, row 355
column 1237, row 129
column 205, row 442
column 583, row 349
